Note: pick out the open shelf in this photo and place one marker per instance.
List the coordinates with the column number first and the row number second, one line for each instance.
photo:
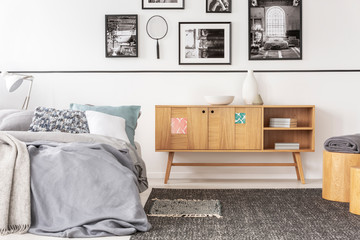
column 302, row 134
column 303, row 114
column 303, row 137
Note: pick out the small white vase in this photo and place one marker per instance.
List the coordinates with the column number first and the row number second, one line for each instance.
column 250, row 89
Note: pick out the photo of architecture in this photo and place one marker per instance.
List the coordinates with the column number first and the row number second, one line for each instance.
column 121, row 36
column 205, row 43
column 275, row 29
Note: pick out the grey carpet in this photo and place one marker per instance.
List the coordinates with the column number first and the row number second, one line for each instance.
column 256, row 214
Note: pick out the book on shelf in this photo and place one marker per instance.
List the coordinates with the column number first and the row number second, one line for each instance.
column 283, row 125
column 287, row 146
column 283, row 122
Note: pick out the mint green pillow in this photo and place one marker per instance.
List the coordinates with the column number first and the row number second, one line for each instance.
column 129, row 113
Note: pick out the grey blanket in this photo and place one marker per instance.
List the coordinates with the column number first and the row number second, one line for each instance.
column 88, row 138
column 84, row 190
column 344, row 144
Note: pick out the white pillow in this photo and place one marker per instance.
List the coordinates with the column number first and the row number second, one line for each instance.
column 107, row 125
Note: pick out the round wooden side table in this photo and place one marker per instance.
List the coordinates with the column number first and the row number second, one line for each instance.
column 355, row 190
column 336, row 175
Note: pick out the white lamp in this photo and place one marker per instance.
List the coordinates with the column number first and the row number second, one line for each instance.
column 13, row 81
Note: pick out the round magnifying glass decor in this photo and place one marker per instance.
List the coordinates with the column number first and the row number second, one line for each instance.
column 157, row 29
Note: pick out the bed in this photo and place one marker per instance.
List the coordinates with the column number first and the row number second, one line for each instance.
column 82, row 184
column 275, row 44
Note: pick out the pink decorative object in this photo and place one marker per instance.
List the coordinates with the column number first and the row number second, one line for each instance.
column 178, row 126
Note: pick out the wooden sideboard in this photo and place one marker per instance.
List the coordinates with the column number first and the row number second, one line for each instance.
column 231, row 128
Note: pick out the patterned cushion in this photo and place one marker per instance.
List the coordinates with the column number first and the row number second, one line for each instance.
column 52, row 120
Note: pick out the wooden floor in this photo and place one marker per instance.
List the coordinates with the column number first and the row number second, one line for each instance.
column 194, row 184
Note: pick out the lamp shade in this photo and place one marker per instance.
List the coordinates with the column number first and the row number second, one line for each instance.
column 14, row 81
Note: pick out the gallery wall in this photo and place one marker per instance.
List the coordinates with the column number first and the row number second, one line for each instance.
column 43, row 35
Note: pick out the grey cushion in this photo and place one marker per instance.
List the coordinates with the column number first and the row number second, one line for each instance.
column 6, row 112
column 15, row 120
column 53, row 120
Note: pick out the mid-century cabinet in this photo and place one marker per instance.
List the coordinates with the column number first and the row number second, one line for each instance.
column 232, row 128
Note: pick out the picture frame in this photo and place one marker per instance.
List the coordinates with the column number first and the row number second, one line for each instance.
column 163, row 4
column 121, row 36
column 218, row 6
column 204, row 43
column 275, row 30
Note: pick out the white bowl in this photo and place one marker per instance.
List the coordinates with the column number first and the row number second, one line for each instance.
column 219, row 100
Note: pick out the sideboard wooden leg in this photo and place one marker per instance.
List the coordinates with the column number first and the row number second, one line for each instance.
column 299, row 165
column 296, row 167
column 168, row 168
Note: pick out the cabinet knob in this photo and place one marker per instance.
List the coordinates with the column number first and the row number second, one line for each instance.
column 203, row 111
column 212, row 111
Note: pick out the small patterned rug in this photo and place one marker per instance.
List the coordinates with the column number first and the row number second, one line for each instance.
column 271, row 214
column 185, row 208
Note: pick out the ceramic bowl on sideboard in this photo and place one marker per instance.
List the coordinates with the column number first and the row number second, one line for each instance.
column 219, row 100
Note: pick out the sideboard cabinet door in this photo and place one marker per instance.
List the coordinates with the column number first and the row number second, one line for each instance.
column 198, row 128
column 248, row 128
column 221, row 128
column 181, row 128
column 171, row 129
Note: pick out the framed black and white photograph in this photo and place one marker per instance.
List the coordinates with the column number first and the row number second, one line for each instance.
column 275, row 30
column 121, row 35
column 163, row 4
column 204, row 43
column 218, row 6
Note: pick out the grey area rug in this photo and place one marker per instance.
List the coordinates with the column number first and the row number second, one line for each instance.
column 256, row 214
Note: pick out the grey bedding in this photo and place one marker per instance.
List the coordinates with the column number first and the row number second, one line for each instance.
column 84, row 185
column 88, row 138
column 344, row 144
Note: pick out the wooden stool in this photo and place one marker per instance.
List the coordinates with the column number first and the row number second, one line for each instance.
column 355, row 190
column 336, row 175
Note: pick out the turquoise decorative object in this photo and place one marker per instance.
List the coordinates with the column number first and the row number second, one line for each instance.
column 240, row 118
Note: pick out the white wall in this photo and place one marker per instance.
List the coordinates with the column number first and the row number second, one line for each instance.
column 69, row 35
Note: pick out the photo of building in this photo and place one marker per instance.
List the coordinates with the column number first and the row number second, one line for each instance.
column 275, row 29
column 121, row 36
